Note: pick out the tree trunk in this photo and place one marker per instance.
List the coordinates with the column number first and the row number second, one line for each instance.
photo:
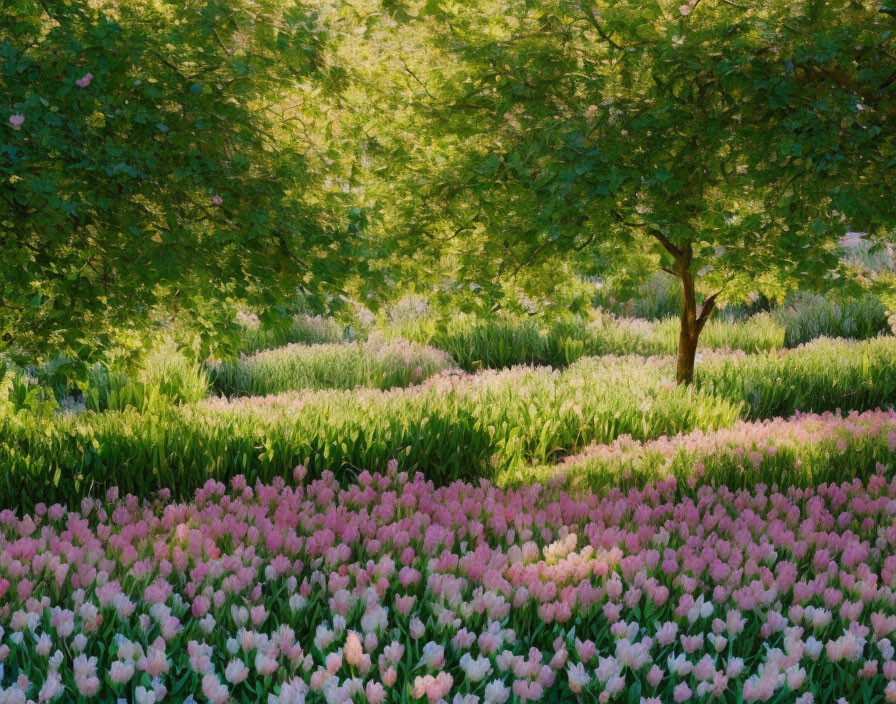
column 687, row 352
column 690, row 329
column 692, row 321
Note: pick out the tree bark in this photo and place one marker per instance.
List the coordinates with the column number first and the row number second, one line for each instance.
column 692, row 321
column 689, row 333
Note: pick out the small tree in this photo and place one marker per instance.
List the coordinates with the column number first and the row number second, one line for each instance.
column 729, row 143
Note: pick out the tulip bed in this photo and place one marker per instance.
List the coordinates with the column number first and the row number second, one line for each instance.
column 451, row 426
column 330, row 366
column 802, row 451
column 391, row 589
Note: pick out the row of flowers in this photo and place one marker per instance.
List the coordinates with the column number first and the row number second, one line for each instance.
column 450, row 426
column 805, row 450
column 391, row 589
column 347, row 365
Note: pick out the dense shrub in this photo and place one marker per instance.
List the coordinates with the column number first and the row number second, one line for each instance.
column 331, row 366
column 166, row 376
column 20, row 390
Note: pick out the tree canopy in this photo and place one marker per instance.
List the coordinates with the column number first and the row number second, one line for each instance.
column 727, row 142
column 206, row 152
column 159, row 153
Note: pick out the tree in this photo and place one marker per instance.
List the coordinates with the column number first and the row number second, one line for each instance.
column 159, row 154
column 728, row 143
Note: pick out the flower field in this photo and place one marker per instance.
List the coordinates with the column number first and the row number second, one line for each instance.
column 392, row 589
column 450, row 426
column 802, row 451
column 587, row 533
column 433, row 352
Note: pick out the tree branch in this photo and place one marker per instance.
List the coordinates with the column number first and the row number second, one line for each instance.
column 580, row 247
column 709, row 305
column 889, row 80
column 682, row 256
column 670, row 247
column 416, row 77
column 618, row 217
column 227, row 51
column 600, row 30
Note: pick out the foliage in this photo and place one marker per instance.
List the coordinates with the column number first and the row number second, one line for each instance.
column 803, row 451
column 507, row 340
column 20, row 390
column 478, row 343
column 166, row 376
column 872, row 257
column 301, row 329
column 655, row 299
column 823, row 375
column 660, row 297
column 156, row 160
column 451, row 426
column 329, row 366
column 727, row 143
column 807, row 316
column 448, row 427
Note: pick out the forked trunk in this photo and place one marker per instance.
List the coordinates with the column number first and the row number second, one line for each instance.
column 692, row 322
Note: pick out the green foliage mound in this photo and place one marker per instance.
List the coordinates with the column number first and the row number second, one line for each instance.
column 151, row 155
column 329, row 366
column 823, row 375
column 166, row 376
